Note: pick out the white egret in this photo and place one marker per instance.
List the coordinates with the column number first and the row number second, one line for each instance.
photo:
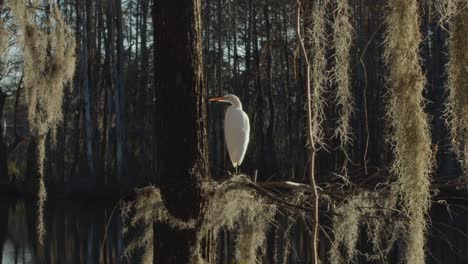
column 236, row 129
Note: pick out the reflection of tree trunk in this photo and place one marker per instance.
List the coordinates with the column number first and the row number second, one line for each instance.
column 181, row 120
column 4, row 212
column 31, row 166
column 3, row 149
column 38, row 252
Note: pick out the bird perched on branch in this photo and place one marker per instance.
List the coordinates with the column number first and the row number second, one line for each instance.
column 236, row 129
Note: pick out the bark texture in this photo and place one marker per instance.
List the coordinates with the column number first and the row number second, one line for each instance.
column 181, row 121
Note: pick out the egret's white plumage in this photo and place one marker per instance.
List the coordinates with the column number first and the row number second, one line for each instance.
column 236, row 129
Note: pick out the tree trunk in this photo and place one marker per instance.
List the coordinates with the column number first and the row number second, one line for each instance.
column 181, row 121
column 248, row 48
column 86, row 62
column 120, row 100
column 3, row 149
column 269, row 158
column 143, row 143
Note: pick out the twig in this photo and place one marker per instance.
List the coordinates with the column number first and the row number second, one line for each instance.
column 365, row 98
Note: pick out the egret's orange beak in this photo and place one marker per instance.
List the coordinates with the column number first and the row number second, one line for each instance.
column 216, row 99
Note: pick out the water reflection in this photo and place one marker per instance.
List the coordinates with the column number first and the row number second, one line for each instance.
column 75, row 232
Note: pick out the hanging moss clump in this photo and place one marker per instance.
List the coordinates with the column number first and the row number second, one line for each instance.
column 49, row 64
column 317, row 40
column 3, row 39
column 342, row 42
column 239, row 210
column 454, row 13
column 408, row 123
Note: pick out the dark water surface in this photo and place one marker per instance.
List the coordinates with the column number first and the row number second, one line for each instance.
column 75, row 232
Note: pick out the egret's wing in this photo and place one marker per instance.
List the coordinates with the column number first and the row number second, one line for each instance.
column 246, row 130
column 236, row 132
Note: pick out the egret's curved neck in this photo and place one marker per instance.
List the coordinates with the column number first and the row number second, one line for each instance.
column 236, row 103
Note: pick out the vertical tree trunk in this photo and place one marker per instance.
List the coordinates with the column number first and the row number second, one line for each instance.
column 260, row 102
column 143, row 91
column 269, row 160
column 3, row 149
column 236, row 55
column 248, row 48
column 220, row 150
column 102, row 86
column 86, row 90
column 181, row 121
column 120, row 99
column 109, row 72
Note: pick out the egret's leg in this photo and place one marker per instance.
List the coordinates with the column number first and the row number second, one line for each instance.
column 237, row 171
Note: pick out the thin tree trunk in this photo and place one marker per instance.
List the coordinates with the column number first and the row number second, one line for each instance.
column 142, row 101
column 315, row 213
column 248, row 48
column 269, row 163
column 120, row 99
column 3, row 148
column 109, row 73
column 236, row 56
column 260, row 104
column 87, row 92
column 3, row 153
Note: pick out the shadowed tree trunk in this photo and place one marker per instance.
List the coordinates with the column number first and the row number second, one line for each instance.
column 87, row 71
column 3, row 152
column 3, row 148
column 4, row 210
column 181, row 121
column 269, row 159
column 121, row 128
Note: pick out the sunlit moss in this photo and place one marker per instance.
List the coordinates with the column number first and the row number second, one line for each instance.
column 317, row 41
column 408, row 123
column 370, row 211
column 3, row 40
column 49, row 64
column 342, row 42
column 454, row 13
column 228, row 208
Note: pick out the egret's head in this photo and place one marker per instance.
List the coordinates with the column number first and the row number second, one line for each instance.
column 230, row 98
